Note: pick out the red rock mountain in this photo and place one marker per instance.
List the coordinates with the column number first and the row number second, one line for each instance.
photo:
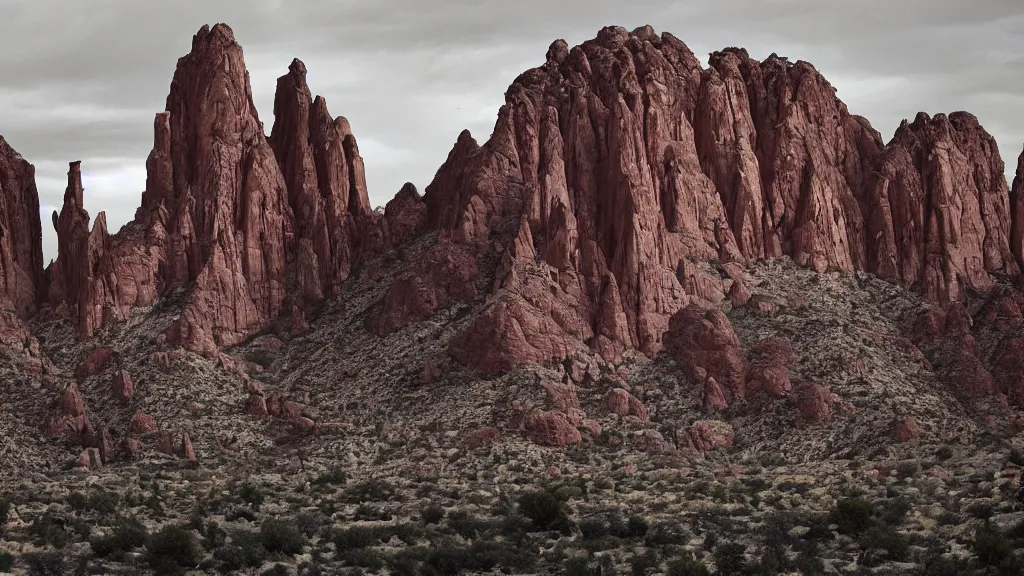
column 617, row 164
column 21, row 237
column 623, row 182
column 238, row 220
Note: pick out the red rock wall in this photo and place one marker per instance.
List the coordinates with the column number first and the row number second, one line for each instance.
column 237, row 220
column 617, row 161
column 21, row 237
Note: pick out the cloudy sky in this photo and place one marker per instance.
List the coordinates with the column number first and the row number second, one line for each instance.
column 82, row 79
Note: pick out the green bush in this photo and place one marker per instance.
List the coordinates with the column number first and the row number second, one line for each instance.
column 125, row 535
column 481, row 556
column 636, row 527
column 432, row 514
column 334, row 476
column 356, row 537
column 51, row 529
column 373, row 490
column 276, row 570
column 853, row 515
column 279, row 536
column 246, row 549
column 687, row 566
column 252, row 495
column 895, row 510
column 991, row 547
column 103, row 501
column 886, row 538
column 6, row 561
column 577, row 567
column 362, row 557
column 594, row 528
column 542, row 508
column 173, row 546
column 78, row 501
column 45, row 564
column 729, row 558
column 642, row 564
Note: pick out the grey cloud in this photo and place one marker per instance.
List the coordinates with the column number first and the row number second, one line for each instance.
column 82, row 80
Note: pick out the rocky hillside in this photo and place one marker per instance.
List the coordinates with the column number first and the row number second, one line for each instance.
column 666, row 319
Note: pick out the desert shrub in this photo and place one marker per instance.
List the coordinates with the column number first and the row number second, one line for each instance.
column 942, row 566
column 78, row 501
column 853, row 515
column 240, row 513
column 593, row 528
column 481, row 556
column 729, row 558
column 665, row 534
column 980, row 510
column 578, row 567
column 279, row 536
column 126, row 534
column 103, row 501
column 809, row 564
column 542, row 508
column 45, row 564
column 276, row 570
column 362, row 557
column 432, row 514
column 372, row 512
column 213, row 535
column 642, row 564
column 173, row 546
column 470, row 527
column 636, row 527
column 895, row 511
column 356, row 537
column 6, row 561
column 907, row 469
column 5, row 512
column 51, row 529
column 944, row 453
column 991, row 547
column 687, row 566
column 406, row 562
column 246, row 549
column 334, row 476
column 1017, row 457
column 885, row 538
column 308, row 523
column 252, row 495
column 373, row 490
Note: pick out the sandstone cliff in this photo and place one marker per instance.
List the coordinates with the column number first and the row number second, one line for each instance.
column 21, row 241
column 238, row 221
column 622, row 183
column 619, row 163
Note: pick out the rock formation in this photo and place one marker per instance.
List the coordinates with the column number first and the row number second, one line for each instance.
column 618, row 165
column 237, row 221
column 21, row 241
column 623, row 183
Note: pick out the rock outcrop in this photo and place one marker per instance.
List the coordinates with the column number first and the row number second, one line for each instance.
column 21, row 236
column 622, row 184
column 239, row 222
column 617, row 165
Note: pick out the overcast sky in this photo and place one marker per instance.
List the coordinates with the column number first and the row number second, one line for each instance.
column 82, row 79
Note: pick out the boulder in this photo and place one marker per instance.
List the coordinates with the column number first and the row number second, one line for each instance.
column 550, row 429
column 121, row 386
column 702, row 341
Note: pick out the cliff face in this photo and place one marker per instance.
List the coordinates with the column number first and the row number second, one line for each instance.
column 240, row 221
column 618, row 163
column 622, row 183
column 21, row 237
